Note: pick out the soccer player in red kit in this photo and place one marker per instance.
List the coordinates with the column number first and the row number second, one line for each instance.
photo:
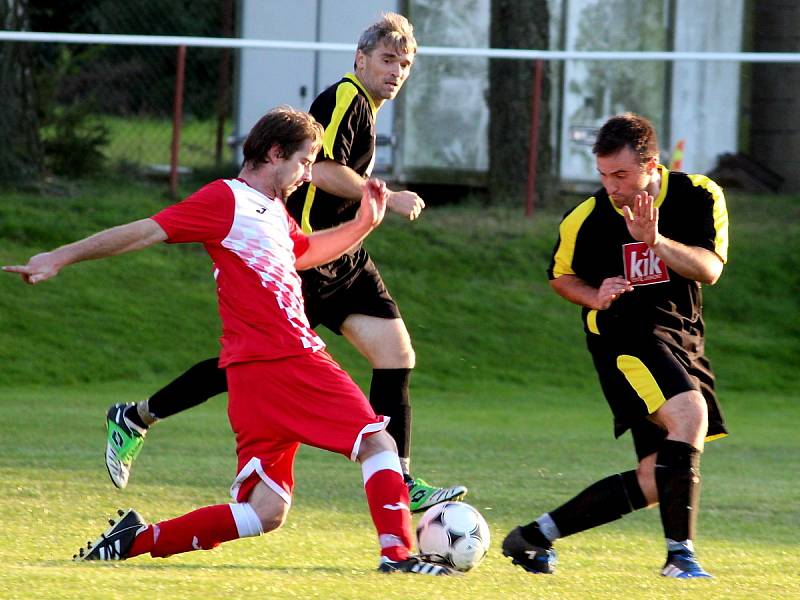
column 284, row 389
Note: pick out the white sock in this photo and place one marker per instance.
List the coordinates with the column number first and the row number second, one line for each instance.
column 143, row 408
column 247, row 522
column 673, row 545
column 548, row 527
column 377, row 462
column 405, row 464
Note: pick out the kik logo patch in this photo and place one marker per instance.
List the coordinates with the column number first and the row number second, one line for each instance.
column 642, row 266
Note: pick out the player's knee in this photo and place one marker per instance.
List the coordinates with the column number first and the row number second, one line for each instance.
column 400, row 352
column 685, row 415
column 270, row 508
column 377, row 442
column 272, row 523
column 392, row 356
column 697, row 415
column 272, row 518
column 701, row 406
column 405, row 356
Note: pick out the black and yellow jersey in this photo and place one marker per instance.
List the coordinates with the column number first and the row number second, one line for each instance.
column 348, row 115
column 592, row 241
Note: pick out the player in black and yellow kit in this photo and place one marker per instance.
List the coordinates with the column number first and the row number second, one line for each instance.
column 634, row 256
column 348, row 295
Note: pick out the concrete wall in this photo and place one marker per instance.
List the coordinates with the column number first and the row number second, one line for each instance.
column 267, row 78
column 705, row 95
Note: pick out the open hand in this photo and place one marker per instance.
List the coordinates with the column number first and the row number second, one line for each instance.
column 642, row 219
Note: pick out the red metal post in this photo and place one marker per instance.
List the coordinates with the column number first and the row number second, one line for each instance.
column 533, row 152
column 177, row 118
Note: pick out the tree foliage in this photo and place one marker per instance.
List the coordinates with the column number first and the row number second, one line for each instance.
column 50, row 92
column 133, row 79
column 20, row 152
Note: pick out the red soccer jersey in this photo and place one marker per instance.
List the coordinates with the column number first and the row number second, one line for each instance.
column 253, row 243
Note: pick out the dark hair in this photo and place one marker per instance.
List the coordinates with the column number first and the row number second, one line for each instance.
column 284, row 127
column 392, row 29
column 627, row 130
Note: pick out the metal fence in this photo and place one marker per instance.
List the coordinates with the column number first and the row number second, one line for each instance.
column 118, row 97
column 106, row 107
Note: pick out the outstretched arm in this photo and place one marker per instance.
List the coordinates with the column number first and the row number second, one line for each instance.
column 691, row 262
column 339, row 180
column 328, row 244
column 117, row 240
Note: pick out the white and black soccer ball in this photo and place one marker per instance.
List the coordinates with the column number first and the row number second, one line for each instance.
column 455, row 534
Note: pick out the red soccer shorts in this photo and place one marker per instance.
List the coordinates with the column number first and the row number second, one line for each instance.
column 274, row 406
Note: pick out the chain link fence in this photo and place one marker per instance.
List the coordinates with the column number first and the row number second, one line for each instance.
column 90, row 108
column 78, row 109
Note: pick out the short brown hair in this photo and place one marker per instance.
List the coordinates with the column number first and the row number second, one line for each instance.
column 627, row 130
column 284, row 127
column 392, row 29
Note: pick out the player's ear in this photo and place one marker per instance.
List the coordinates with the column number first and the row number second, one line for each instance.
column 275, row 153
column 361, row 58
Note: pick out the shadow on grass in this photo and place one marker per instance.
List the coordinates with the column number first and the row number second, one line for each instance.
column 144, row 567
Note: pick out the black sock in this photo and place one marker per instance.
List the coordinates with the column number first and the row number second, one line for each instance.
column 602, row 502
column 678, row 484
column 533, row 535
column 201, row 382
column 388, row 395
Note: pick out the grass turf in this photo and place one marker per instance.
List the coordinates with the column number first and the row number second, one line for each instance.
column 520, row 451
column 504, row 394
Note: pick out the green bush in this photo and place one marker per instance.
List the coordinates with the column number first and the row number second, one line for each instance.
column 73, row 144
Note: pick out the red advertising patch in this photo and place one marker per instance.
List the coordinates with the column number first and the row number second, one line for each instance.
column 642, row 266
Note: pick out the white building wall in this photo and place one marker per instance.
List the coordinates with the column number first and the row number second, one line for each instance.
column 705, row 95
column 592, row 91
column 443, row 105
column 698, row 102
column 267, row 78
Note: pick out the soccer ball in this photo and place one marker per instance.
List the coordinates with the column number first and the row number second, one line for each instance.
column 453, row 533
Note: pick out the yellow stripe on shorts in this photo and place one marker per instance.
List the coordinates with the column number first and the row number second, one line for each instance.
column 591, row 322
column 642, row 381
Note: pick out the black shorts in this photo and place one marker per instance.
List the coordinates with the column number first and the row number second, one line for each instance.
column 639, row 373
column 349, row 285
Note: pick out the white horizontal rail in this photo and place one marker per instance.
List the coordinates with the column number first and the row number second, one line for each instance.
column 212, row 42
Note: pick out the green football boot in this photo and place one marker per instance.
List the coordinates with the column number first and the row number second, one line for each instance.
column 123, row 444
column 424, row 495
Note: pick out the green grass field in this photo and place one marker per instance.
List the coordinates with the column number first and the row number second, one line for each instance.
column 505, row 402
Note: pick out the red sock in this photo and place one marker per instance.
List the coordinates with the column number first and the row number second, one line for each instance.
column 387, row 496
column 202, row 529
